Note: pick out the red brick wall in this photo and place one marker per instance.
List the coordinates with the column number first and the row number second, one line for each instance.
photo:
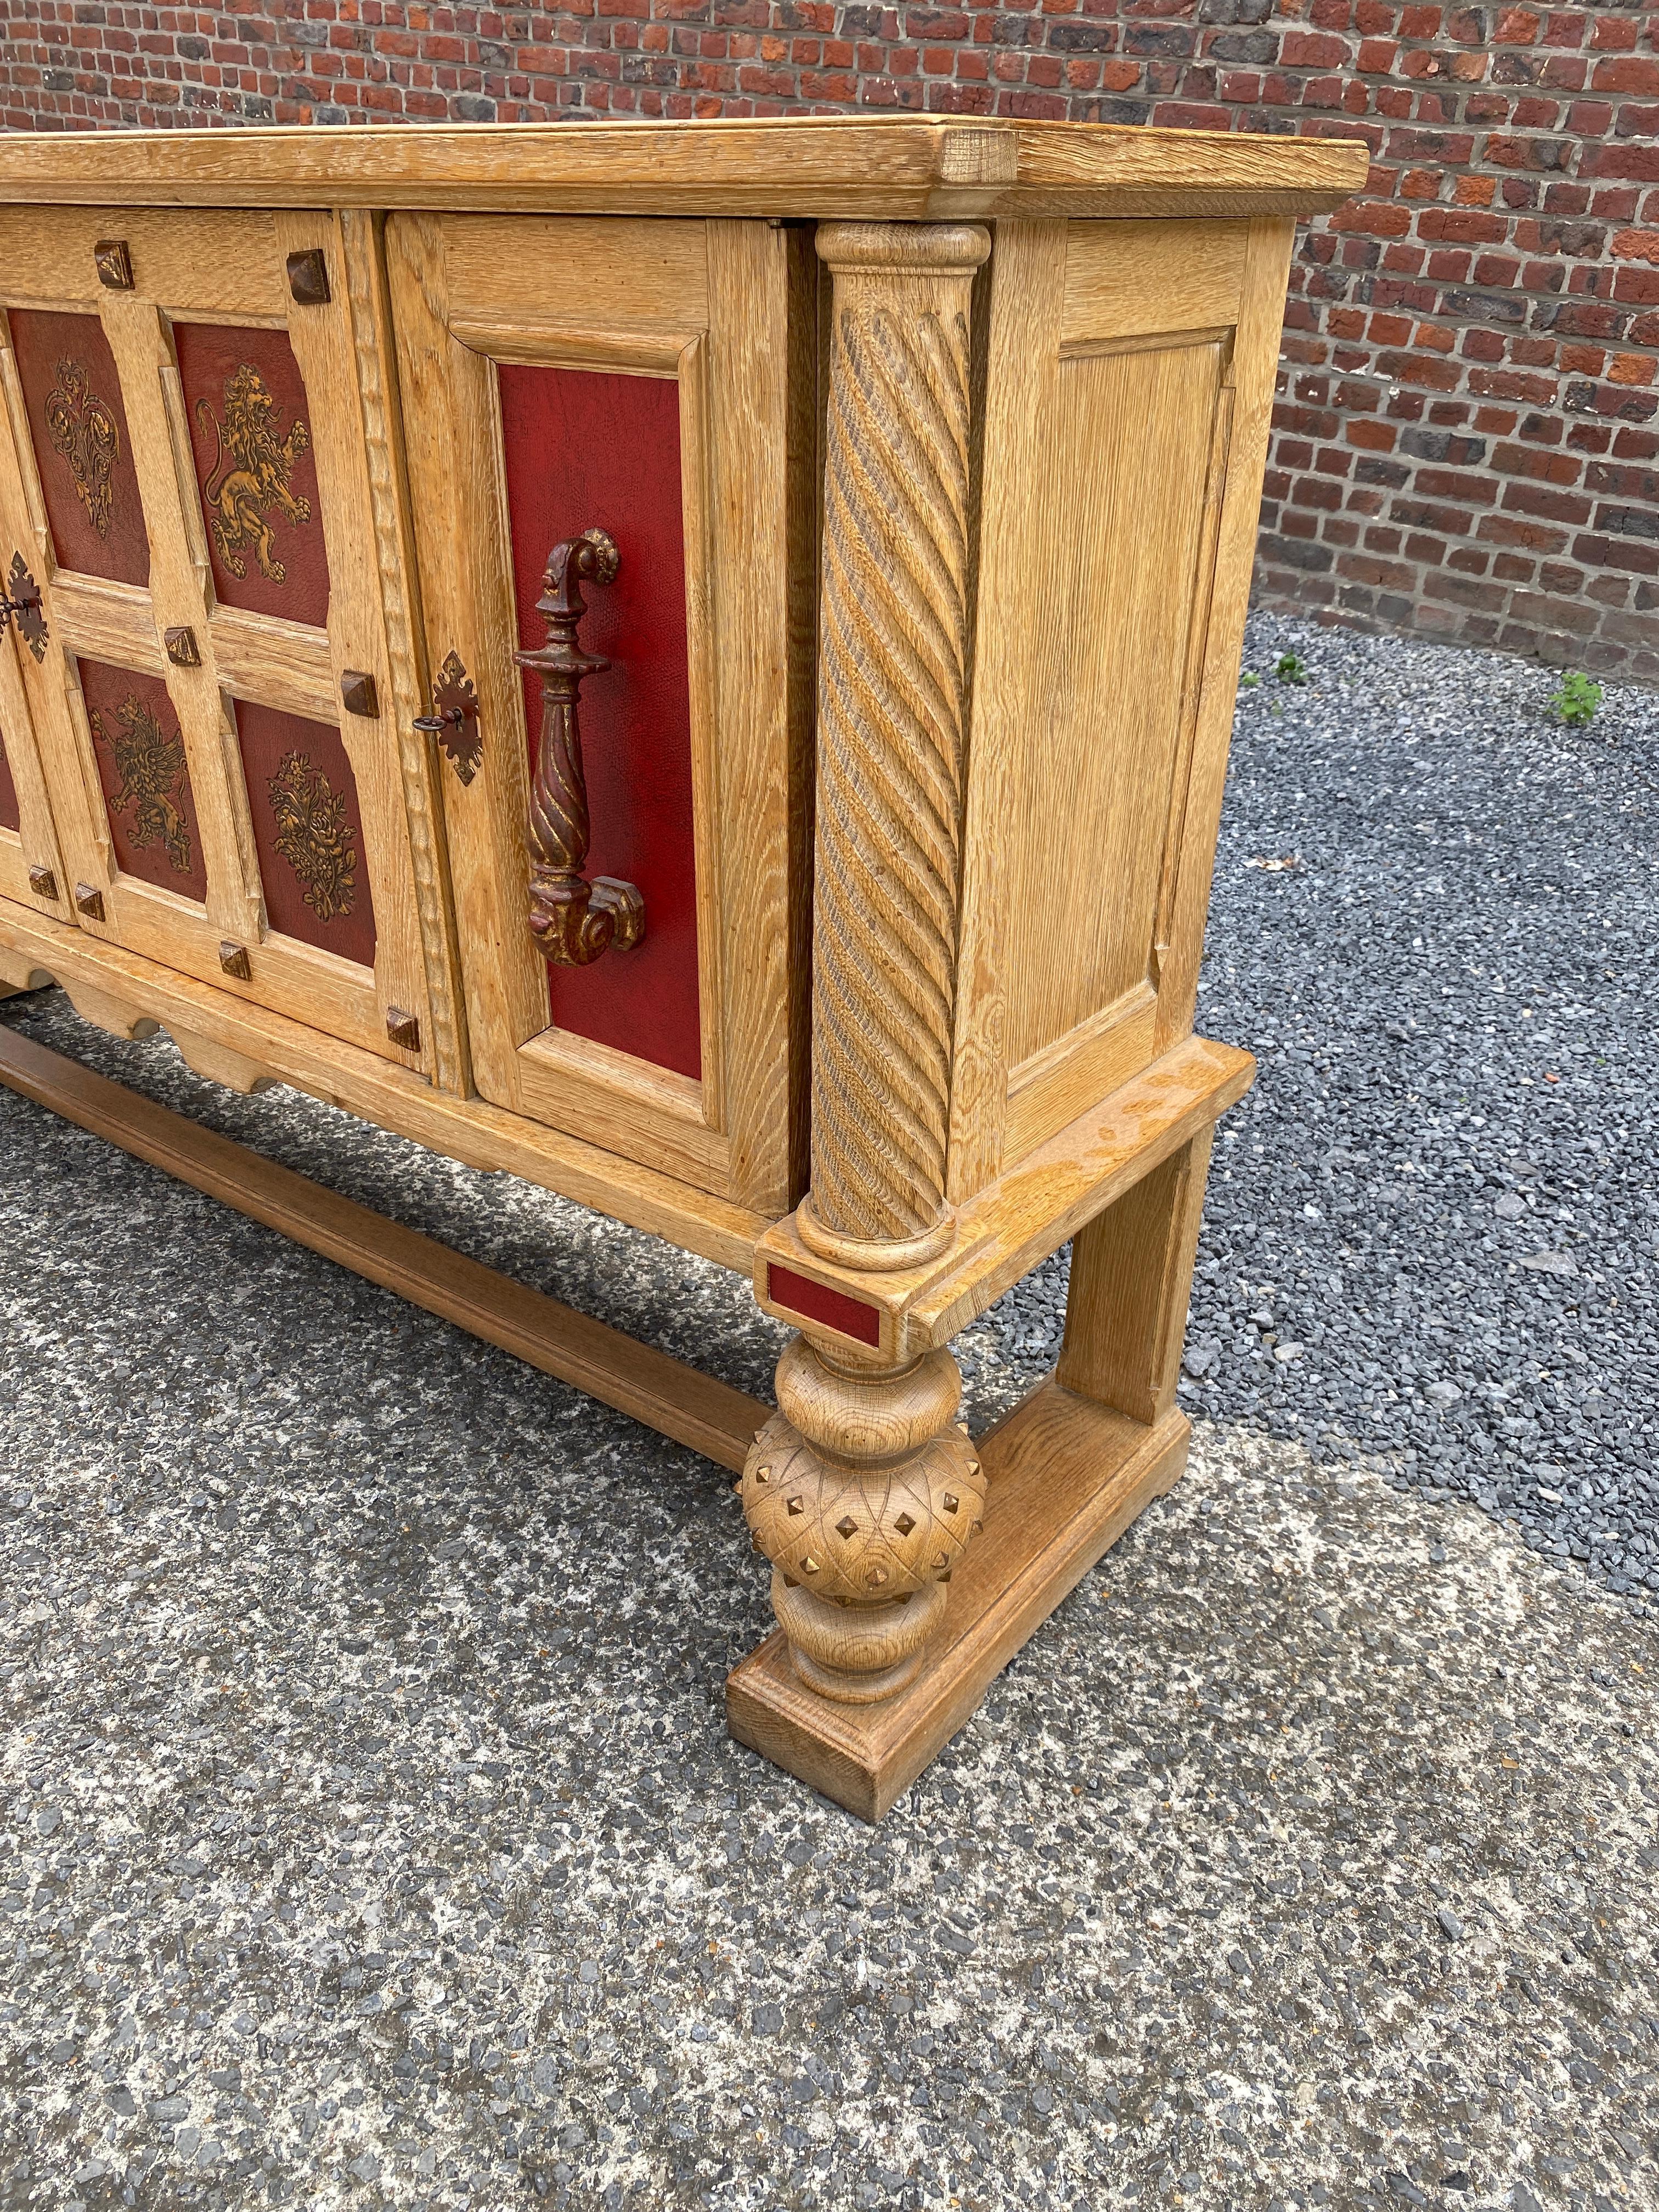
column 1467, row 443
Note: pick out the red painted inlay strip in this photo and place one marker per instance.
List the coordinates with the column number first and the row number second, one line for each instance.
column 818, row 1301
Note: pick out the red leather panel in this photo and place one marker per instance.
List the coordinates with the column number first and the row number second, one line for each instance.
column 141, row 766
column 10, row 814
column 250, row 431
column 79, row 428
column 584, row 447
column 818, row 1301
column 308, row 830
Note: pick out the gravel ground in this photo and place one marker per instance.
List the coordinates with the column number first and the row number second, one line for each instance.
column 1432, row 1232
column 367, row 1833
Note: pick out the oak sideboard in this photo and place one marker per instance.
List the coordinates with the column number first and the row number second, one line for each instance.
column 692, row 662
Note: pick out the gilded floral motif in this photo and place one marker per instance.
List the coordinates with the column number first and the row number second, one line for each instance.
column 151, row 765
column 314, row 837
column 84, row 433
column 250, row 475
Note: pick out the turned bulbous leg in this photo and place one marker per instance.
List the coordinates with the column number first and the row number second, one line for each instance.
column 863, row 1490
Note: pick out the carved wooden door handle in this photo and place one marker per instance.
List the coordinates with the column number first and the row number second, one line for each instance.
column 572, row 920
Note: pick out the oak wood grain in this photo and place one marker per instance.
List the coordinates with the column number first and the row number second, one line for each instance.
column 217, row 1063
column 915, row 167
column 1185, row 896
column 368, row 299
column 1132, row 1273
column 1064, row 1479
column 214, row 264
column 1026, row 280
column 1129, row 459
column 710, row 306
column 1033, row 1207
column 1149, row 279
column 760, row 779
column 1106, row 451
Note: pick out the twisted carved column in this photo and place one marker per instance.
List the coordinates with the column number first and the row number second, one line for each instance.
column 864, row 1488
column 892, row 662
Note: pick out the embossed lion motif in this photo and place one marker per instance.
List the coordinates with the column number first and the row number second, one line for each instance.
column 252, row 467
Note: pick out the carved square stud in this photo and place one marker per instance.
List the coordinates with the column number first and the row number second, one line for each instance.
column 233, row 959
column 43, row 882
column 89, row 900
column 307, row 277
column 846, row 1527
column 402, row 1028
column 113, row 263
column 357, row 693
column 182, row 649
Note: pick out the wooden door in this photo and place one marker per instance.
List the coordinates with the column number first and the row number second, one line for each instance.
column 633, row 377
column 186, row 474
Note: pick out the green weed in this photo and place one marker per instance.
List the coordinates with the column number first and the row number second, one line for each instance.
column 1578, row 701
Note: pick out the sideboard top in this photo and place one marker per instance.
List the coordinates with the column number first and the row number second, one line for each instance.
column 895, row 169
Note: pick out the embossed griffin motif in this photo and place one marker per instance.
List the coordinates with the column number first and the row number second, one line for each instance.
column 151, row 764
column 83, row 432
column 250, row 471
column 313, row 836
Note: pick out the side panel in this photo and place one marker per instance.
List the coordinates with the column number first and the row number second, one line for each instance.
column 1130, row 367
column 1132, row 429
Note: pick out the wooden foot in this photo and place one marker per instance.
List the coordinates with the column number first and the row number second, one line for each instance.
column 864, row 1492
column 1066, row 1474
column 1065, row 1477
